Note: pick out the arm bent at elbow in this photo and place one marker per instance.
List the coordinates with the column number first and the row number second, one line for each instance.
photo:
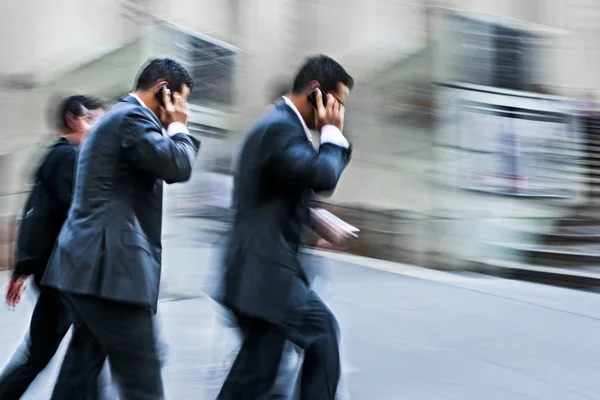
column 292, row 159
column 170, row 159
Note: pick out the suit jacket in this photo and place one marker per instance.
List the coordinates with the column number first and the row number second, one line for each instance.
column 277, row 172
column 45, row 210
column 110, row 244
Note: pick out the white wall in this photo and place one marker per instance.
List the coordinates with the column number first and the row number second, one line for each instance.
column 274, row 35
column 46, row 38
column 364, row 36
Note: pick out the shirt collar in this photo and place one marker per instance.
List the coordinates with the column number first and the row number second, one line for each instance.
column 293, row 107
column 135, row 96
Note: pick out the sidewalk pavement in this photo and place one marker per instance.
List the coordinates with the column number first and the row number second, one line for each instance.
column 407, row 332
column 188, row 319
column 410, row 334
column 187, row 316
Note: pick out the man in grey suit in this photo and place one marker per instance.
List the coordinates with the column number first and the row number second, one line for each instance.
column 107, row 259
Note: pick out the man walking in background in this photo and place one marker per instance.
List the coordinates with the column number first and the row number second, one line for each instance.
column 265, row 285
column 44, row 214
column 107, row 260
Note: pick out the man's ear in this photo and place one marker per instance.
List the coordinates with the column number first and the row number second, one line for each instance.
column 313, row 85
column 160, row 84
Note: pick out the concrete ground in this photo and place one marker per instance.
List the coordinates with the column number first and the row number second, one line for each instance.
column 407, row 332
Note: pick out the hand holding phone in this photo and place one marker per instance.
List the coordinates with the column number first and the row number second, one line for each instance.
column 312, row 97
column 159, row 95
column 174, row 108
column 329, row 110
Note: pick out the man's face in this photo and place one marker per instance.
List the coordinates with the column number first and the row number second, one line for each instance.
column 185, row 92
column 89, row 120
column 93, row 116
column 341, row 93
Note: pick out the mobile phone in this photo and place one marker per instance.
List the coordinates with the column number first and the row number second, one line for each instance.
column 159, row 95
column 312, row 97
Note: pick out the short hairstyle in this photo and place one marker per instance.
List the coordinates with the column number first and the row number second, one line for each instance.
column 73, row 105
column 93, row 103
column 164, row 68
column 324, row 70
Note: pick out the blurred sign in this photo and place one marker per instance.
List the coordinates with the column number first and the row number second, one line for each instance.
column 512, row 142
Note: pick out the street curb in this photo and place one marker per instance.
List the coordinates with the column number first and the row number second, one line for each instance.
column 557, row 279
column 389, row 266
column 551, row 277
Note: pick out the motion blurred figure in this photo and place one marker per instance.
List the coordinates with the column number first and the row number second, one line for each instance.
column 264, row 284
column 107, row 259
column 44, row 214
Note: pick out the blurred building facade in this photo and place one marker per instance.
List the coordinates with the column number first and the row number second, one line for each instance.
column 390, row 47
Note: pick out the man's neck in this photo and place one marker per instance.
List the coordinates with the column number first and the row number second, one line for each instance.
column 299, row 101
column 145, row 96
column 71, row 138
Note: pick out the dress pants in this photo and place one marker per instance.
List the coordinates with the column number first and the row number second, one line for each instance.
column 49, row 324
column 311, row 326
column 122, row 332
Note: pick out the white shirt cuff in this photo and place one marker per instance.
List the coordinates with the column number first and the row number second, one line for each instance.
column 177, row 127
column 331, row 134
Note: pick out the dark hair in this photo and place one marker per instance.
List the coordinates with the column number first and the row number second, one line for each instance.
column 324, row 70
column 93, row 103
column 164, row 68
column 73, row 105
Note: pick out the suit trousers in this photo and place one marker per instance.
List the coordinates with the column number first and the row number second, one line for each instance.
column 49, row 324
column 122, row 332
column 311, row 326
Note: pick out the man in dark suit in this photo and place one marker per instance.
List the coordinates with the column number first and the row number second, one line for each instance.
column 107, row 259
column 45, row 212
column 264, row 283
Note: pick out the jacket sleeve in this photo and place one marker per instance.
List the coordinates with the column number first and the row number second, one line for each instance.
column 170, row 159
column 64, row 177
column 290, row 158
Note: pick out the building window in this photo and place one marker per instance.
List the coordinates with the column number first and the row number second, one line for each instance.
column 211, row 63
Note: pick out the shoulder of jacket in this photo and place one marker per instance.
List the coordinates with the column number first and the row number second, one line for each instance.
column 127, row 109
column 58, row 155
column 61, row 149
column 139, row 113
column 279, row 117
column 273, row 120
